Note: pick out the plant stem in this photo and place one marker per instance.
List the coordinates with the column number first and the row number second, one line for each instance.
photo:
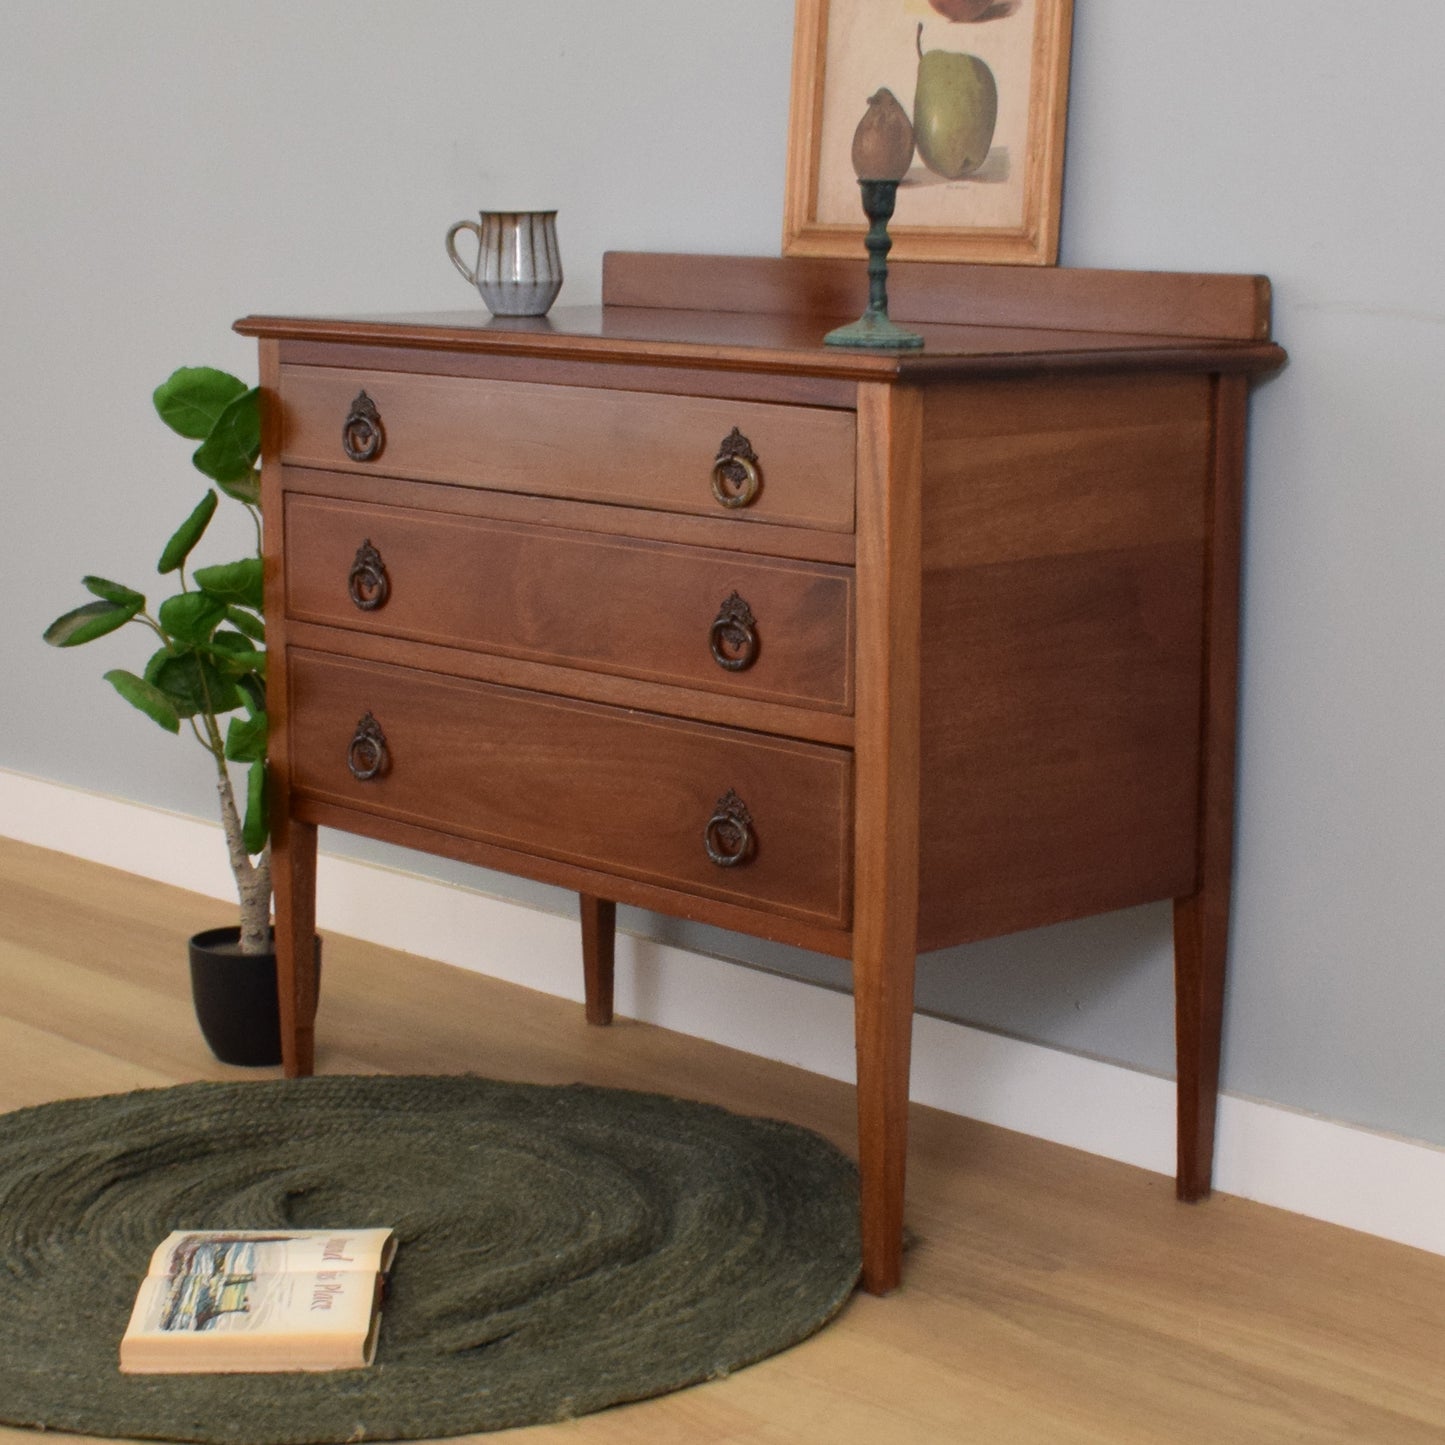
column 147, row 620
column 253, row 880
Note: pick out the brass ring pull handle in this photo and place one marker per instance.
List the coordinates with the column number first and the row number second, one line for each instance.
column 736, row 477
column 734, row 636
column 728, row 837
column 367, row 581
column 367, row 757
column 362, row 434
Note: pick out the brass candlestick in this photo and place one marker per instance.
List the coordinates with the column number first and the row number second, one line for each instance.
column 874, row 328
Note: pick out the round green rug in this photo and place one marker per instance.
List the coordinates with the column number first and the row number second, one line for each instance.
column 561, row 1249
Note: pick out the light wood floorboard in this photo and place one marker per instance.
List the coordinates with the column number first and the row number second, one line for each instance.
column 1051, row 1298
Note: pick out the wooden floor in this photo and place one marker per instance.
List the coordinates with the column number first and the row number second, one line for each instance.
column 1052, row 1298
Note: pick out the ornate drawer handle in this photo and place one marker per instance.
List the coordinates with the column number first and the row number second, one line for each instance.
column 734, row 636
column 735, row 474
column 728, row 836
column 362, row 434
column 367, row 582
column 367, row 757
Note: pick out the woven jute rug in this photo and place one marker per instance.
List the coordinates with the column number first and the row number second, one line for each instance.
column 561, row 1249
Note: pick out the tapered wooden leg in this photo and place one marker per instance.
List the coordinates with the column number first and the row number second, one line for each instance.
column 599, row 931
column 883, row 1023
column 293, row 844
column 293, row 878
column 1201, row 922
column 1201, row 926
column 885, row 809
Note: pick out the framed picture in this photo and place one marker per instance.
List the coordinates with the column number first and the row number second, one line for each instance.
column 983, row 84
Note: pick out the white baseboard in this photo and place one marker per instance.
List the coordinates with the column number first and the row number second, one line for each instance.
column 1377, row 1183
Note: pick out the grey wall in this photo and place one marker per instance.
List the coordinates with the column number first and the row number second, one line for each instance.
column 166, row 167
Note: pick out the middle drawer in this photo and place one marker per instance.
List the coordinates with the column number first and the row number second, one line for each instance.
column 768, row 628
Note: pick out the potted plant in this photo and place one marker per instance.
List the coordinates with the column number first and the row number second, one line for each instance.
column 208, row 674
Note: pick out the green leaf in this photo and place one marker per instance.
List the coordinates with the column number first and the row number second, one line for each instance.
column 191, row 400
column 230, row 449
column 188, row 534
column 242, row 661
column 246, row 622
column 233, row 582
column 236, row 665
column 253, row 693
column 258, row 823
column 246, row 739
column 191, row 617
column 114, row 592
column 85, row 624
column 232, row 643
column 193, row 684
column 235, row 655
column 146, row 696
column 246, row 662
column 246, row 489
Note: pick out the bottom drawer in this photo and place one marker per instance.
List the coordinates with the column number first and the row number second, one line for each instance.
column 738, row 816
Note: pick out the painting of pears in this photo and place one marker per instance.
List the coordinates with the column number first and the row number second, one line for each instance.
column 936, row 95
column 955, row 110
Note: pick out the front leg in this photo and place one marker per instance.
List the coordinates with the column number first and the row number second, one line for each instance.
column 293, row 877
column 883, row 968
column 885, row 809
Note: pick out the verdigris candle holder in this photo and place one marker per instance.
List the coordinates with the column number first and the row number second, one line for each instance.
column 873, row 327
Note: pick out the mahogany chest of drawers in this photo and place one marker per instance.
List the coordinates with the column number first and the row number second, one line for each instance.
column 669, row 604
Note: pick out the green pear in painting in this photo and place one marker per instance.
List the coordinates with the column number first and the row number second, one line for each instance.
column 955, row 109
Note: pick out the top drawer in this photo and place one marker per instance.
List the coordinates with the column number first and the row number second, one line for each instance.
column 632, row 448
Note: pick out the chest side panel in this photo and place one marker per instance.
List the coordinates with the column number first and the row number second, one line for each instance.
column 1063, row 586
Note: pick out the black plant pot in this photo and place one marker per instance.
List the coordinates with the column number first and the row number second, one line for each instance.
column 235, row 998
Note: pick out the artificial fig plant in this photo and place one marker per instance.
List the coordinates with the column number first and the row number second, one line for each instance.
column 210, row 667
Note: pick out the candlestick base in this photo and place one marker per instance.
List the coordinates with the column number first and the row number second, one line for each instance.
column 873, row 328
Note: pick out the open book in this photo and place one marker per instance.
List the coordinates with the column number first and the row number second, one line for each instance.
column 242, row 1300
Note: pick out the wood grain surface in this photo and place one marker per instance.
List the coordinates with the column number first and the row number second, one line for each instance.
column 740, row 917
column 1159, row 303
column 1069, row 332
column 619, row 447
column 612, row 604
column 757, row 538
column 598, row 917
column 1063, row 601
column 885, row 911
column 594, row 786
column 1201, row 919
column 293, row 840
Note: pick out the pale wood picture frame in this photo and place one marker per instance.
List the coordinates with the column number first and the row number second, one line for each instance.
column 1009, row 212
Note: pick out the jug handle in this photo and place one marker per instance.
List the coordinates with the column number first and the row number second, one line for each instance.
column 469, row 272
